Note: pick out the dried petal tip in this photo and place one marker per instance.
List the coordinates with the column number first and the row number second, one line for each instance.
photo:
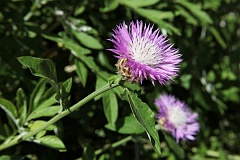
column 176, row 118
column 144, row 53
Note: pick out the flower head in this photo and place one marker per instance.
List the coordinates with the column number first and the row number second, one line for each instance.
column 144, row 53
column 175, row 117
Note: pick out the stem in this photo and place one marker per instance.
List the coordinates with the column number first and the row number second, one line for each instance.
column 114, row 145
column 58, row 117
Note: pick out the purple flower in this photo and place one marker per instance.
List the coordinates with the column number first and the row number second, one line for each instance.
column 144, row 53
column 175, row 117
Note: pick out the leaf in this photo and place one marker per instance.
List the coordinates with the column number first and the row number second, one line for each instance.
column 5, row 157
column 66, row 87
column 145, row 117
column 217, row 36
column 188, row 17
column 157, row 17
column 22, row 105
column 52, row 142
column 126, row 125
column 175, row 147
column 110, row 5
column 103, row 59
column 41, row 134
column 74, row 47
column 44, row 112
column 231, row 94
column 36, row 124
column 139, row 3
column 36, row 95
column 79, row 10
column 10, row 110
column 65, row 91
column 47, row 102
column 197, row 12
column 82, row 72
column 87, row 40
column 42, row 68
column 154, row 15
column 99, row 83
column 110, row 107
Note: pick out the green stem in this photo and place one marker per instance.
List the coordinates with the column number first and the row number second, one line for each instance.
column 114, row 145
column 58, row 117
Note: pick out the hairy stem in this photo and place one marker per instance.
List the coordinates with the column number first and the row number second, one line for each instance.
column 57, row 117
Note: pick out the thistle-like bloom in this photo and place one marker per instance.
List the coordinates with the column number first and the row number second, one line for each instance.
column 144, row 53
column 175, row 117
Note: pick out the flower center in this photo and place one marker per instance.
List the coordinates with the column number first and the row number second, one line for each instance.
column 177, row 116
column 145, row 51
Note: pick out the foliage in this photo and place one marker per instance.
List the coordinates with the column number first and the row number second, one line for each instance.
column 53, row 55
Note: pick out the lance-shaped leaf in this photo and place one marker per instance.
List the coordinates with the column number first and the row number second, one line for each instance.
column 41, row 67
column 175, row 147
column 110, row 107
column 10, row 109
column 52, row 142
column 145, row 117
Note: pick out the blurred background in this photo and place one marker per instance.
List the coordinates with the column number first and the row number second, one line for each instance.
column 74, row 33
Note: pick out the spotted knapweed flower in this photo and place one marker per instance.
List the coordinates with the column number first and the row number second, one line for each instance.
column 175, row 117
column 144, row 53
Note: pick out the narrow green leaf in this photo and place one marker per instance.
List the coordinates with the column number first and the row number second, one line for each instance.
column 110, row 107
column 188, row 17
column 42, row 68
column 99, row 83
column 5, row 157
column 175, row 147
column 217, row 36
column 145, row 117
column 10, row 109
column 36, row 95
column 74, row 47
column 5, row 131
column 41, row 134
column 154, row 15
column 47, row 102
column 52, row 142
column 22, row 105
column 158, row 17
column 65, row 91
column 66, row 87
column 87, row 40
column 103, row 59
column 82, row 72
column 139, row 3
column 44, row 112
column 110, row 5
column 36, row 124
column 195, row 9
column 79, row 10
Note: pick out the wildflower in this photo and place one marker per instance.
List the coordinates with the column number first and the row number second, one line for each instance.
column 144, row 53
column 175, row 117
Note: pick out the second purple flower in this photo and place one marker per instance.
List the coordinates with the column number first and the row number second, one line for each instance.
column 175, row 117
column 144, row 53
